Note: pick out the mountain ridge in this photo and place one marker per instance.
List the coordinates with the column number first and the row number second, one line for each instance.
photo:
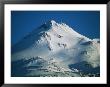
column 45, row 28
column 60, row 42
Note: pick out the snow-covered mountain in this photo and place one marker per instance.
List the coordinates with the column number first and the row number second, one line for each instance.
column 52, row 50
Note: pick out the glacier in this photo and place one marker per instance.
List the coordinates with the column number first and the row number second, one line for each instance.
column 55, row 50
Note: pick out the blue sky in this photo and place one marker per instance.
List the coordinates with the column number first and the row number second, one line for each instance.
column 85, row 22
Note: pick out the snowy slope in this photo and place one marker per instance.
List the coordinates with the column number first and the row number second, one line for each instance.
column 59, row 45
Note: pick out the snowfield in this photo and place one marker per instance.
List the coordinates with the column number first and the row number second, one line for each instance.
column 56, row 50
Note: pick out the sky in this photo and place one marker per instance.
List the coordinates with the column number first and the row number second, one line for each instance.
column 86, row 23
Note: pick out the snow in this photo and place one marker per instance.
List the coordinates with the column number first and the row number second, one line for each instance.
column 61, row 44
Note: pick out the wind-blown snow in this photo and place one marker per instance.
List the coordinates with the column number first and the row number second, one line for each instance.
column 60, row 46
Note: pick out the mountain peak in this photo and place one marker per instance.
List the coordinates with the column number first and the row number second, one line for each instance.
column 51, row 23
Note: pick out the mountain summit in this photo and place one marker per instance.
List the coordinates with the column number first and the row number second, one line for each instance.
column 51, row 22
column 55, row 47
